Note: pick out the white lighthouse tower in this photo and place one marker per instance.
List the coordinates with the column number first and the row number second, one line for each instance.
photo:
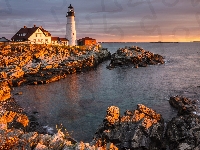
column 70, row 27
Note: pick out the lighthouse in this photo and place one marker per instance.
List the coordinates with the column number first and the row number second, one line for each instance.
column 70, row 26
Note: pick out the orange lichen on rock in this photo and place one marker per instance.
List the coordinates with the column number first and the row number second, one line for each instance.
column 23, row 119
column 137, row 116
column 4, row 91
column 149, row 115
column 99, row 145
column 7, row 117
column 125, row 118
column 112, row 114
column 9, row 143
column 149, row 112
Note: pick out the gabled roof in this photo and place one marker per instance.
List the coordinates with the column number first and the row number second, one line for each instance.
column 45, row 31
column 3, row 39
column 28, row 32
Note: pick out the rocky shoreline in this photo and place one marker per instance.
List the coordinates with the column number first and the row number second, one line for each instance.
column 41, row 64
column 139, row 129
column 135, row 56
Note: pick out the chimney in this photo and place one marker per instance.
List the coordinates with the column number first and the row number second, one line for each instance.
column 34, row 26
column 25, row 27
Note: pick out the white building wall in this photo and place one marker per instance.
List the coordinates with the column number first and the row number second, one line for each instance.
column 71, row 30
column 38, row 37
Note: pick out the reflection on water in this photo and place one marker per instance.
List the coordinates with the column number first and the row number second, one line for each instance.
column 80, row 101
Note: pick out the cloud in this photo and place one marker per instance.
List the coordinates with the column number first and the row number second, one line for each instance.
column 119, row 18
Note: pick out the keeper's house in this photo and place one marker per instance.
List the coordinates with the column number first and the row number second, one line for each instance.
column 37, row 35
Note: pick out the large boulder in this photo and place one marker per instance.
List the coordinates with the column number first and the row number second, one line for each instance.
column 142, row 128
column 135, row 56
column 183, row 131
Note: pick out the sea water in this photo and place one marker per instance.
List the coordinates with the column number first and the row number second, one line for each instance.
column 79, row 101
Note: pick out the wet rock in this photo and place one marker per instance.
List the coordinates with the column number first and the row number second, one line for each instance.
column 183, row 131
column 183, row 104
column 142, row 128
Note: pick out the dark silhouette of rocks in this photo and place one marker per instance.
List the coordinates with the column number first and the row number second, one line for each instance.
column 183, row 131
column 142, row 128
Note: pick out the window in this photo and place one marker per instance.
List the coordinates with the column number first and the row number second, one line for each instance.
column 46, row 40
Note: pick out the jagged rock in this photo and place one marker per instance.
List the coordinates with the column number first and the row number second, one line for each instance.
column 135, row 56
column 142, row 128
column 9, row 139
column 112, row 115
column 4, row 91
column 57, row 141
column 41, row 147
column 44, row 139
column 29, row 139
column 183, row 104
column 183, row 131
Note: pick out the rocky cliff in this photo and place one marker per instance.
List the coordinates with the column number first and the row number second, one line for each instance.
column 40, row 64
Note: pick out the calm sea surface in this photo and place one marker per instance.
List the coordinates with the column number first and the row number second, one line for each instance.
column 79, row 101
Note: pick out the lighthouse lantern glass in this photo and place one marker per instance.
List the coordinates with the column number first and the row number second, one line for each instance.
column 70, row 9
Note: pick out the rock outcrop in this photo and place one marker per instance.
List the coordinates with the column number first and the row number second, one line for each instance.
column 41, row 64
column 10, row 113
column 183, row 131
column 142, row 128
column 135, row 56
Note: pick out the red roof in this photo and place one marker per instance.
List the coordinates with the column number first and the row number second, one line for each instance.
column 58, row 39
column 28, row 32
column 64, row 39
column 86, row 38
column 54, row 38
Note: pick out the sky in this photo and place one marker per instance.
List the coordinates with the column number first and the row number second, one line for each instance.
column 107, row 20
